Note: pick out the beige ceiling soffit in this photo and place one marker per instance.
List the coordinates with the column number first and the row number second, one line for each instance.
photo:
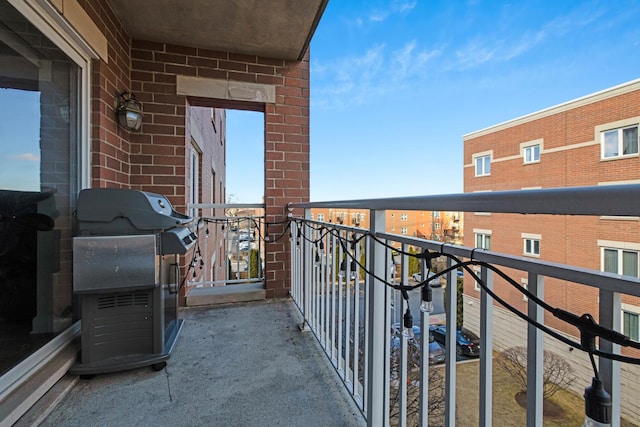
column 83, row 24
column 225, row 89
column 57, row 4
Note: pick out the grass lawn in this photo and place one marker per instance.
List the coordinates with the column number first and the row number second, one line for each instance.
column 506, row 411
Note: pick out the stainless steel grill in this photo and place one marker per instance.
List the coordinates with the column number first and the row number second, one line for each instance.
column 126, row 275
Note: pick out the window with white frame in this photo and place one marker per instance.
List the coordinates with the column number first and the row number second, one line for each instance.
column 194, row 178
column 436, row 226
column 532, row 247
column 631, row 324
column 476, row 285
column 483, row 165
column 620, row 261
column 403, row 217
column 619, row 142
column 531, row 244
column 525, row 284
column 403, row 230
column 531, row 153
column 320, row 217
column 436, row 214
column 483, row 240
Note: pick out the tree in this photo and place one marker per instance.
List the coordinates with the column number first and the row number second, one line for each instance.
column 436, row 400
column 557, row 373
column 255, row 264
column 414, row 263
column 459, row 302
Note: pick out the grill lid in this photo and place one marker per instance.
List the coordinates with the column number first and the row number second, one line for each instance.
column 119, row 210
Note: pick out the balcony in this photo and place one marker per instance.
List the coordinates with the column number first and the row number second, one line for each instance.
column 348, row 289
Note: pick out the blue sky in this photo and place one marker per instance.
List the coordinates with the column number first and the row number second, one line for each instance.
column 20, row 136
column 396, row 84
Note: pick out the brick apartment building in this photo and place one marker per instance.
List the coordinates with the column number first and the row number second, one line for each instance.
column 432, row 225
column 589, row 141
column 67, row 61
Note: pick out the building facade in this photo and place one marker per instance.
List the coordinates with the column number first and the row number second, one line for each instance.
column 63, row 65
column 432, row 225
column 590, row 141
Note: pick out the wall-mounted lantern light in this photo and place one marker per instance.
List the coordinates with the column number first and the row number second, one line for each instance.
column 129, row 111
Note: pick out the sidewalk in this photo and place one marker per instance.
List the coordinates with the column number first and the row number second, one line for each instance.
column 239, row 365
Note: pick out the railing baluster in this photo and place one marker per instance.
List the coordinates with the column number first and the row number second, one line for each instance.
column 334, row 319
column 321, row 291
column 341, row 299
column 610, row 317
column 450, row 364
column 327, row 284
column 374, row 405
column 308, row 270
column 356, row 323
column 535, row 353
column 486, row 349
column 403, row 376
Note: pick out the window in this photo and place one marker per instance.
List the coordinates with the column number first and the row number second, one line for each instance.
column 525, row 284
column 631, row 325
column 320, row 217
column 403, row 230
column 194, row 178
column 620, row 261
column 436, row 226
column 403, row 217
column 619, row 142
column 532, row 154
column 476, row 285
column 44, row 165
column 532, row 247
column 483, row 165
column 483, row 240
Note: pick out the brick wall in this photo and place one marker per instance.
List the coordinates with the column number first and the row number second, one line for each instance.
column 153, row 158
column 567, row 240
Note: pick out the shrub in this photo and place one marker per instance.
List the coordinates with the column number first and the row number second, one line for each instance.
column 557, row 373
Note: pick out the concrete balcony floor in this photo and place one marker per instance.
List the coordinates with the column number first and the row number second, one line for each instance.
column 237, row 365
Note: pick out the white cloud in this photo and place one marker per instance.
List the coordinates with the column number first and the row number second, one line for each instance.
column 26, row 156
column 404, row 6
column 355, row 79
column 504, row 47
column 397, row 7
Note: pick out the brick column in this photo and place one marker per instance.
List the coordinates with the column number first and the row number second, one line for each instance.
column 286, row 168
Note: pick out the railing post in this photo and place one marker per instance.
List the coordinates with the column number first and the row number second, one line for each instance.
column 486, row 349
column 610, row 316
column 535, row 353
column 450, row 346
column 307, row 269
column 375, row 399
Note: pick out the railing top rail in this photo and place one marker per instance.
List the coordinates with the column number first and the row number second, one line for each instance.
column 604, row 200
column 225, row 206
column 602, row 280
column 232, row 218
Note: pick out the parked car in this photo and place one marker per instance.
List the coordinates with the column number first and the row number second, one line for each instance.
column 467, row 343
column 244, row 246
column 244, row 237
column 417, row 277
column 436, row 353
